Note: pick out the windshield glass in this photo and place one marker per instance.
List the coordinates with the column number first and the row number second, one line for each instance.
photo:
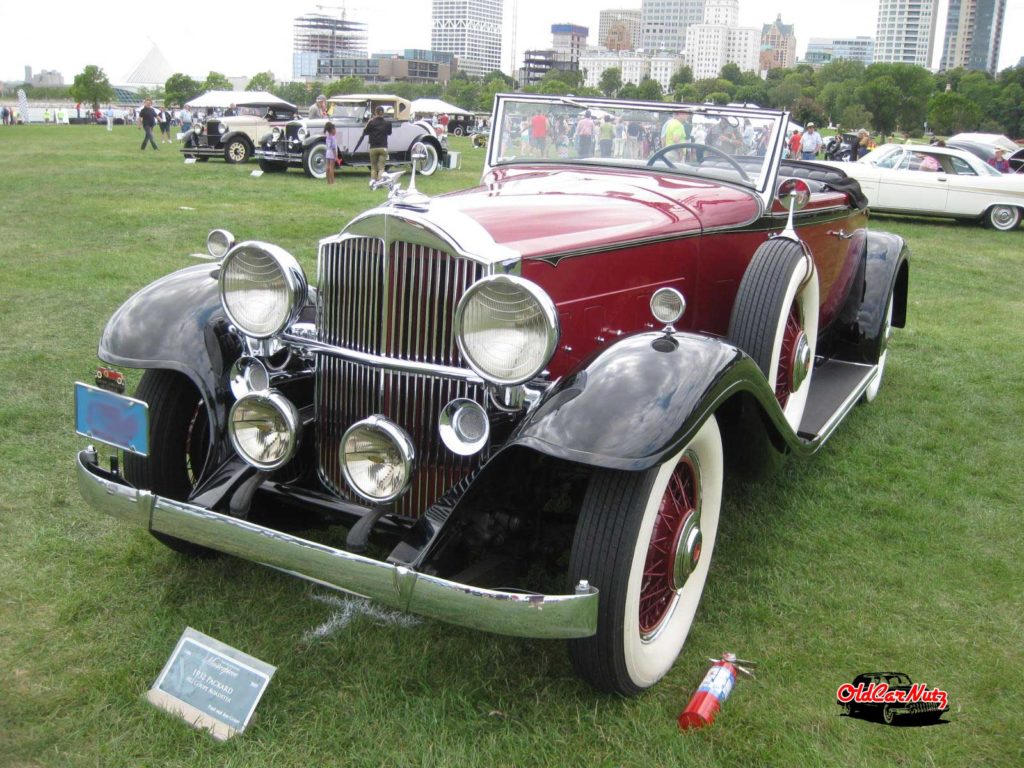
column 720, row 143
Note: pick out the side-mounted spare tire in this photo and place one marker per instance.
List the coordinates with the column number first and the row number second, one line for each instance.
column 774, row 319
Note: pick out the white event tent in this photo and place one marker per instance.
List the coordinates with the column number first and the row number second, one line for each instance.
column 224, row 99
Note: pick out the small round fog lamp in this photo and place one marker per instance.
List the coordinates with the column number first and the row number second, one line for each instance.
column 377, row 459
column 219, row 242
column 667, row 305
column 464, row 427
column 264, row 429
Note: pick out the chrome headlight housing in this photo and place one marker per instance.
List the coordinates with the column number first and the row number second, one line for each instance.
column 275, row 134
column 377, row 459
column 264, row 429
column 506, row 328
column 262, row 288
column 221, row 128
column 302, row 133
column 197, row 128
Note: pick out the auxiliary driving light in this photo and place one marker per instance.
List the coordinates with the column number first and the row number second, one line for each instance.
column 264, row 429
column 219, row 242
column 377, row 459
column 464, row 427
column 667, row 305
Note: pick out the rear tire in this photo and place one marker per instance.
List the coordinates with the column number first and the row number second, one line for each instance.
column 775, row 320
column 179, row 438
column 872, row 390
column 314, row 161
column 634, row 541
column 432, row 161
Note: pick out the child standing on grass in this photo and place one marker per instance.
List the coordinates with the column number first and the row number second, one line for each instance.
column 332, row 151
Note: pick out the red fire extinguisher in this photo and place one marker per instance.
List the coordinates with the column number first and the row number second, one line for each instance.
column 713, row 690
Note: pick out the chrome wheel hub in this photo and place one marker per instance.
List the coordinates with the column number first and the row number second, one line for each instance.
column 801, row 362
column 687, row 550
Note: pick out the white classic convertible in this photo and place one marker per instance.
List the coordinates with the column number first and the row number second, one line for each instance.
column 925, row 180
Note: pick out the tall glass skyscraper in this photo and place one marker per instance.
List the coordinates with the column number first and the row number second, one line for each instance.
column 974, row 32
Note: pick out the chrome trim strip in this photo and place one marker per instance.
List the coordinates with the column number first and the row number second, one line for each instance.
column 501, row 612
column 380, row 361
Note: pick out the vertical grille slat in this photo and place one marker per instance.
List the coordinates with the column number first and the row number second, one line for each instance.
column 399, row 301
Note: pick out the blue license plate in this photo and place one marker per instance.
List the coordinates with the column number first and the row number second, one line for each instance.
column 116, row 420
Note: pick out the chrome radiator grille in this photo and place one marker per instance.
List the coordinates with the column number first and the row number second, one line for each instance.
column 399, row 302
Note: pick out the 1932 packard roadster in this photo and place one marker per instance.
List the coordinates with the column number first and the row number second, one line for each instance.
column 548, row 369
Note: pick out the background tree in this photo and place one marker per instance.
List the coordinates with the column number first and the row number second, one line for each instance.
column 884, row 97
column 718, row 97
column 180, row 89
column 649, row 89
column 349, row 84
column 682, row 76
column 215, row 81
column 261, row 81
column 732, row 73
column 91, row 86
column 950, row 112
column 610, row 82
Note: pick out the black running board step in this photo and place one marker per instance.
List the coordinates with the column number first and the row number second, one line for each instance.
column 836, row 386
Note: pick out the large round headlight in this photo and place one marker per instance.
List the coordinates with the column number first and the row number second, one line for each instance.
column 275, row 134
column 377, row 459
column 506, row 328
column 221, row 128
column 262, row 288
column 302, row 133
column 197, row 128
column 264, row 429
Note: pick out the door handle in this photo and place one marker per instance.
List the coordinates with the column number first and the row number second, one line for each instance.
column 840, row 234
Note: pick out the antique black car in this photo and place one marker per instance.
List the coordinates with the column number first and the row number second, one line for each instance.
column 235, row 137
column 841, row 146
column 301, row 143
column 521, row 396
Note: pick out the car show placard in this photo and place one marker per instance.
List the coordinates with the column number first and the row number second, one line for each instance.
column 211, row 685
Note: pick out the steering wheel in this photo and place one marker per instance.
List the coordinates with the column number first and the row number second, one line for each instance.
column 661, row 155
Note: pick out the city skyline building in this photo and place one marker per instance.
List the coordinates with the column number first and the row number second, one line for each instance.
column 778, row 45
column 320, row 40
column 471, row 30
column 663, row 23
column 568, row 41
column 719, row 40
column 618, row 29
column 973, row 36
column 905, row 31
column 822, row 50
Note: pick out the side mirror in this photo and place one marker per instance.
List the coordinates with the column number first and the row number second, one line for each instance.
column 794, row 194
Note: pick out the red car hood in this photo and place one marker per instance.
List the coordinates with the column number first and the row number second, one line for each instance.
column 543, row 210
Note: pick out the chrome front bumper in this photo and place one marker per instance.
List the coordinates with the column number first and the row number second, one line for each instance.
column 279, row 155
column 504, row 613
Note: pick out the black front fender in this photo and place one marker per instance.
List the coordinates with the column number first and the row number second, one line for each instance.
column 643, row 399
column 176, row 323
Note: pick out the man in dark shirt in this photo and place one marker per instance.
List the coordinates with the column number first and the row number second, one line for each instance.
column 378, row 128
column 147, row 119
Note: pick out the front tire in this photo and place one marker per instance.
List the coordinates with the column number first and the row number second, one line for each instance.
column 432, row 162
column 314, row 161
column 1005, row 218
column 775, row 320
column 645, row 540
column 179, row 438
column 237, row 151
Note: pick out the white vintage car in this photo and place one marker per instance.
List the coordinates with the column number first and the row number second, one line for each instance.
column 925, row 180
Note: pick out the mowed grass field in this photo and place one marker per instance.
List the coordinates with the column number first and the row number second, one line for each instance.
column 897, row 547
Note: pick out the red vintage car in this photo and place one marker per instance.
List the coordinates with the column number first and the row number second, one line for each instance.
column 534, row 381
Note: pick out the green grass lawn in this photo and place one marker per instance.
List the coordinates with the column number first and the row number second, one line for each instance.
column 897, row 547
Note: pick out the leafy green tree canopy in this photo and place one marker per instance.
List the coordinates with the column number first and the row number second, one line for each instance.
column 215, row 81
column 92, row 86
column 180, row 89
column 261, row 81
column 610, row 82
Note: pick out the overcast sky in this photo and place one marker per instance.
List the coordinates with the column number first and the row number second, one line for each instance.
column 240, row 39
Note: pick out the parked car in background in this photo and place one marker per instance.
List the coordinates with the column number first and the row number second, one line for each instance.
column 925, row 180
column 842, row 146
column 301, row 142
column 533, row 381
column 984, row 145
column 235, row 138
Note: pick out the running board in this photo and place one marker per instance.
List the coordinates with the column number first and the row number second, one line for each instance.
column 836, row 387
